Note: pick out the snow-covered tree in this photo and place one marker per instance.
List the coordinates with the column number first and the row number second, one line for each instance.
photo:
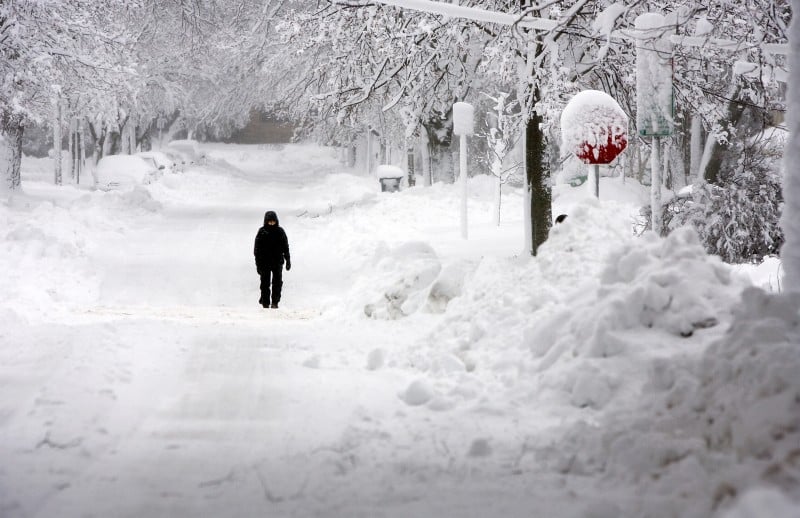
column 501, row 135
column 73, row 53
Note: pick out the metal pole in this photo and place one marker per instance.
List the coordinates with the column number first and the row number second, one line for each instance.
column 597, row 181
column 655, row 186
column 463, row 166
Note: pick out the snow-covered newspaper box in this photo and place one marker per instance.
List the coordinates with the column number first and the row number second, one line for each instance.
column 595, row 128
column 390, row 177
column 463, row 126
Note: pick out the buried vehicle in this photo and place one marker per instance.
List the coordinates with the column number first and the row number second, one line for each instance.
column 123, row 172
column 161, row 161
column 189, row 150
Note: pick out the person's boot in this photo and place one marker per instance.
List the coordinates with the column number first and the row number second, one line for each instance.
column 274, row 306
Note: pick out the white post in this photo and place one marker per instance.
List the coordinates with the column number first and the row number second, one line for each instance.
column 498, row 198
column 369, row 151
column 463, row 170
column 463, row 125
column 427, row 177
column 655, row 186
column 57, row 140
column 790, row 219
column 596, row 173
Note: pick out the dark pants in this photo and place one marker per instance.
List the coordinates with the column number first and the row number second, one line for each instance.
column 276, row 273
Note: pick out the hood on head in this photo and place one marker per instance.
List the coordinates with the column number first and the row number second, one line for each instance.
column 271, row 215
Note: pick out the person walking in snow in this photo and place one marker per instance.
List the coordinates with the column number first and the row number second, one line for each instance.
column 271, row 249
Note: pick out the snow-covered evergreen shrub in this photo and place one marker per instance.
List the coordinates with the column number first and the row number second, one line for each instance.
column 739, row 219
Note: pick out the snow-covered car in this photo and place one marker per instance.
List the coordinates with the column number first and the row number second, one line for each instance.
column 189, row 149
column 162, row 161
column 124, row 172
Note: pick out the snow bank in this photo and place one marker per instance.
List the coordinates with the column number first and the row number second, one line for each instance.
column 124, row 172
column 336, row 192
column 763, row 503
column 43, row 255
column 137, row 199
column 617, row 348
column 396, row 279
column 50, row 234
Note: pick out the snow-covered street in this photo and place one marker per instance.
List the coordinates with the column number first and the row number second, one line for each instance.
column 140, row 377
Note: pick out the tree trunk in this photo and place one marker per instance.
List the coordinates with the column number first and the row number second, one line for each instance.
column 125, row 141
column 455, row 166
column 538, row 180
column 351, row 155
column 132, row 135
column 425, row 151
column 696, row 147
column 107, row 141
column 368, row 162
column 412, row 180
column 11, row 130
column 79, row 158
column 71, row 147
column 98, row 137
column 715, row 151
column 175, row 126
column 76, row 150
column 498, row 199
column 57, row 141
column 655, row 187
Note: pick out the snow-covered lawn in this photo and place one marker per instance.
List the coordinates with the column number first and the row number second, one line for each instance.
column 407, row 373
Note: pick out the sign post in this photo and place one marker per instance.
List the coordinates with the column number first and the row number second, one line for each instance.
column 463, row 125
column 595, row 128
column 654, row 98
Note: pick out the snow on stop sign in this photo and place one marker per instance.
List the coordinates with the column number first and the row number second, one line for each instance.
column 594, row 127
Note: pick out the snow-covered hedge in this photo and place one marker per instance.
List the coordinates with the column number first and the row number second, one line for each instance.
column 737, row 218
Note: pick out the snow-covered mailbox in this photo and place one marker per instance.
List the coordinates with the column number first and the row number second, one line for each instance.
column 463, row 126
column 594, row 127
column 390, row 177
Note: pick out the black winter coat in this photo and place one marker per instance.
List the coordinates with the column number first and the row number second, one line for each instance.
column 271, row 247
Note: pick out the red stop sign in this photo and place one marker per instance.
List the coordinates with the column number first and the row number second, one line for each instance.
column 606, row 152
column 594, row 127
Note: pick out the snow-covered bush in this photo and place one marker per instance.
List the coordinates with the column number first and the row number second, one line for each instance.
column 738, row 219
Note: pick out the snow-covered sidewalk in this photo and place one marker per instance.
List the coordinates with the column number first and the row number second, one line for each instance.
column 139, row 377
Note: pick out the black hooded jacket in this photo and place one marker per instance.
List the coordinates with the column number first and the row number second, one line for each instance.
column 272, row 245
